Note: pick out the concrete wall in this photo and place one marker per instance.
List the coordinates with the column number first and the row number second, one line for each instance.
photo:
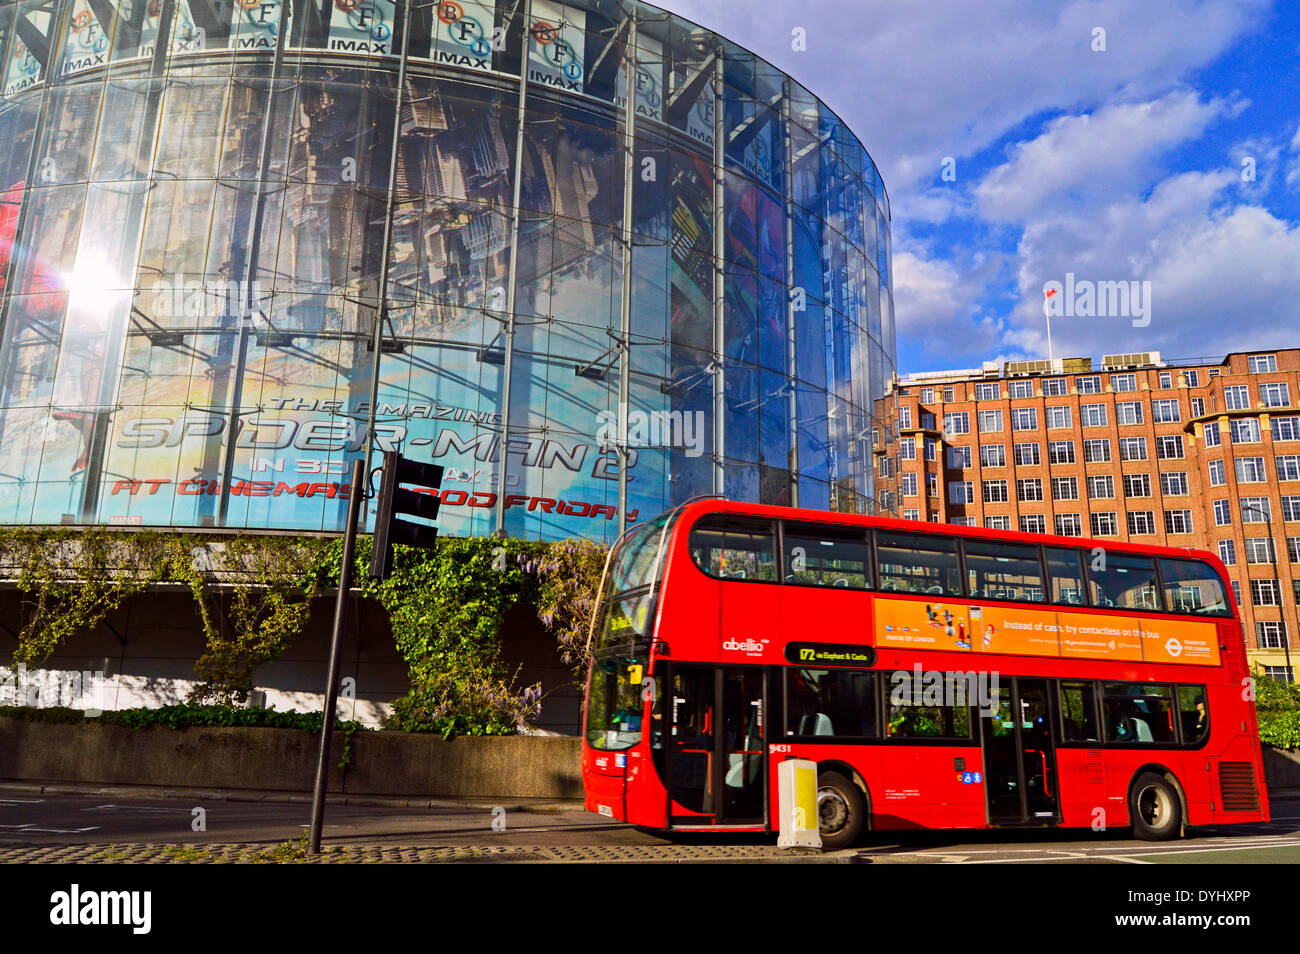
column 1281, row 768
column 148, row 648
column 381, row 763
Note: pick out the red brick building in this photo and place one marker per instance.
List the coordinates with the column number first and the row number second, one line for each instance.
column 1203, row 454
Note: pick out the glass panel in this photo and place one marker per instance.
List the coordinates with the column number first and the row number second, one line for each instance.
column 1193, row 587
column 1079, row 712
column 827, row 556
column 1065, row 576
column 1003, row 571
column 1194, row 713
column 834, row 702
column 735, row 548
column 918, row 564
column 1124, row 582
column 1135, row 712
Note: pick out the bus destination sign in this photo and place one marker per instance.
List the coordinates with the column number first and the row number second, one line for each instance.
column 830, row 654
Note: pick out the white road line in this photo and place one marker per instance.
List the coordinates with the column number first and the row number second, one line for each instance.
column 21, row 801
column 144, row 809
column 25, row 829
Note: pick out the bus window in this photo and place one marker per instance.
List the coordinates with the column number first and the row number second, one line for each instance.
column 1064, row 576
column 1194, row 713
column 1193, row 587
column 914, row 563
column 1079, row 712
column 826, row 702
column 1138, row 712
column 634, row 562
column 1003, row 571
column 909, row 720
column 827, row 556
column 734, row 548
column 1124, row 582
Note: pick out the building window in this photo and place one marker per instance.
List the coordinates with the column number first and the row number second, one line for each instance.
column 1054, row 387
column 1236, row 397
column 1021, row 389
column 1222, row 513
column 1033, row 523
column 1214, row 373
column 907, row 448
column 1236, row 587
column 1193, row 378
column 961, row 492
column 1058, row 416
column 1259, row 550
column 1137, row 485
column 956, row 422
column 1089, row 385
column 1123, row 382
column 995, row 491
column 1286, row 428
column 1169, row 446
column 986, row 392
column 911, row 515
column 1069, row 525
column 1250, row 470
column 1198, row 407
column 1178, row 521
column 1024, row 419
column 962, row 521
column 1291, row 507
column 1128, row 412
column 1211, row 432
column 1276, row 394
column 927, row 421
column 993, row 455
column 1166, row 379
column 907, row 485
column 1244, row 430
column 1096, row 451
column 998, row 523
column 1092, row 415
column 1228, row 552
column 1280, row 673
column 1270, row 634
column 1065, row 488
column 930, row 448
column 1288, row 466
column 1173, row 484
column 1166, row 412
column 1101, row 488
column 1060, row 452
column 1263, row 593
column 1104, row 525
column 927, row 395
column 958, row 457
column 1262, row 363
column 949, row 395
column 905, row 415
column 1132, row 448
column 1256, row 509
column 1027, row 455
column 1141, row 523
column 1029, row 488
column 1218, row 475
column 932, row 484
column 1293, row 549
column 990, row 420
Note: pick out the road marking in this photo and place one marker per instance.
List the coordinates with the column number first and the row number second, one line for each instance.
column 28, row 828
column 144, row 809
column 21, row 801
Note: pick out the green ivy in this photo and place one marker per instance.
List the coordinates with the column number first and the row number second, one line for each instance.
column 1277, row 705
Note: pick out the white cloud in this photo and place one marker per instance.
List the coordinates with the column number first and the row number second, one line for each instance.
column 937, row 305
column 1079, row 159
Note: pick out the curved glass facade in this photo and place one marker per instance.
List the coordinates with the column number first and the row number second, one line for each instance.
column 222, row 283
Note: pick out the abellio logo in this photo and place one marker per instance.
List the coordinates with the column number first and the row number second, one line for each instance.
column 750, row 647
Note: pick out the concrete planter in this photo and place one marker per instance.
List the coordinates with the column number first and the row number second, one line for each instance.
column 382, row 763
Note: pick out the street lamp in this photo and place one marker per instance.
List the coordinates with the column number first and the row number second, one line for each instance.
column 1277, row 584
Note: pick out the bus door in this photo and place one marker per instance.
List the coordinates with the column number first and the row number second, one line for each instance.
column 716, row 768
column 1019, row 755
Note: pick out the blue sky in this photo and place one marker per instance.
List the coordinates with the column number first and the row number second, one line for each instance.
column 1171, row 156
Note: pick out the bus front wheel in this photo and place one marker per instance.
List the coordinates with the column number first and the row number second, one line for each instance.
column 841, row 810
column 1155, row 810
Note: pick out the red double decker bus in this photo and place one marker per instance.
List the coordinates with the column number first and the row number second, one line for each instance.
column 939, row 677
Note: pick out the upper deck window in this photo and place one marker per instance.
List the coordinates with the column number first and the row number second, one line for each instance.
column 740, row 548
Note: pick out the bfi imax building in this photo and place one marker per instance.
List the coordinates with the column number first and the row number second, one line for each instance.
column 594, row 259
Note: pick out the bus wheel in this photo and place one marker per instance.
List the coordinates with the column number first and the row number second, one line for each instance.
column 840, row 810
column 1155, row 810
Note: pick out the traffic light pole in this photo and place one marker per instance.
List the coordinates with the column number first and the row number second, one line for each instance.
column 336, row 646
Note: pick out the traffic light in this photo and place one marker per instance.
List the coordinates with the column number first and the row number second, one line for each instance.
column 396, row 501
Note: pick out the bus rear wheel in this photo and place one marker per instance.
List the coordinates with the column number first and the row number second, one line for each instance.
column 1155, row 810
column 841, row 811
